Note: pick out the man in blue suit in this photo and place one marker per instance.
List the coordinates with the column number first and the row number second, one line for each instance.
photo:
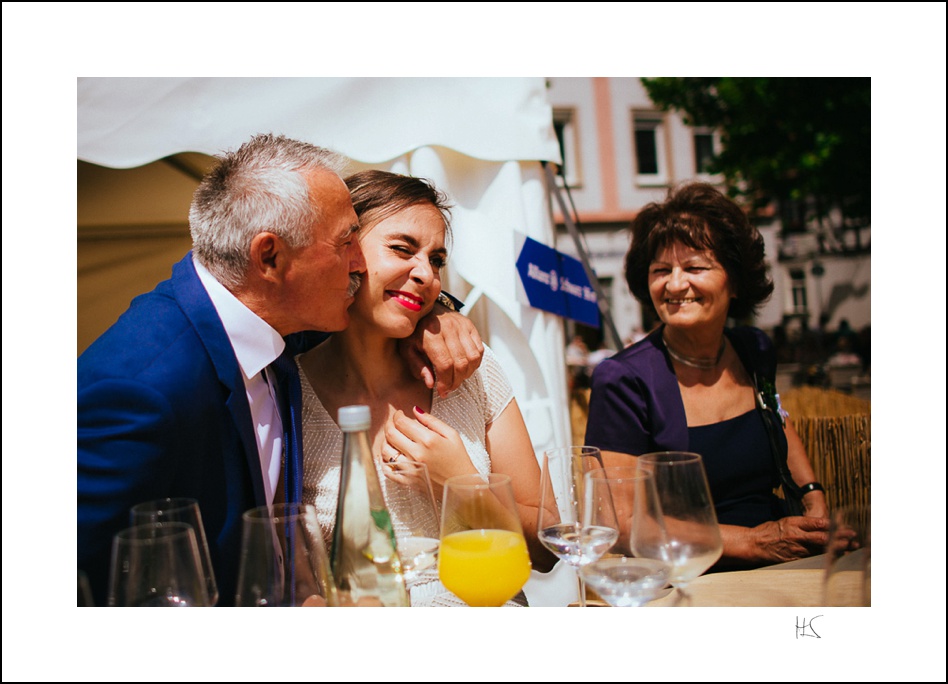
column 178, row 398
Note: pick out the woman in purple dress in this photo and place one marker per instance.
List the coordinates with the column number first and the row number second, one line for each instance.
column 695, row 385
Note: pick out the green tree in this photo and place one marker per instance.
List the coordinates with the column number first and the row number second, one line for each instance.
column 802, row 144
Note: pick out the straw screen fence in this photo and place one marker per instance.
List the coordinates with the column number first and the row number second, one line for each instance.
column 835, row 429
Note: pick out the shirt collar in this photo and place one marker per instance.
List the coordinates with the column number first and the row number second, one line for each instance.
column 256, row 344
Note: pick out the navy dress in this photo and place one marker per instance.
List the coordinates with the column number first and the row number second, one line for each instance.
column 740, row 469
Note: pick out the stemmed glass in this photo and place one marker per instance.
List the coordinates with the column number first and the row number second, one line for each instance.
column 483, row 558
column 157, row 564
column 848, row 575
column 411, row 503
column 283, row 560
column 183, row 510
column 619, row 493
column 560, row 524
column 84, row 596
column 677, row 524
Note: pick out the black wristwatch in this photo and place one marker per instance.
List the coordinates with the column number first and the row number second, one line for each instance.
column 449, row 303
column 811, row 487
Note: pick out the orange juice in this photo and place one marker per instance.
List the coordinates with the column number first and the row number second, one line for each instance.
column 484, row 567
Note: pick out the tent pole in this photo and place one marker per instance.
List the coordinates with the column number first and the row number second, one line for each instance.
column 584, row 258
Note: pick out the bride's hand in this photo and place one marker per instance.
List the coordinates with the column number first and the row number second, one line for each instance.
column 429, row 440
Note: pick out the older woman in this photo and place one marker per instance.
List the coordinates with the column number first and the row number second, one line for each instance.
column 693, row 384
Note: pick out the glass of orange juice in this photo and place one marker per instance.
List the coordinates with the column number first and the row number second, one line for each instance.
column 483, row 558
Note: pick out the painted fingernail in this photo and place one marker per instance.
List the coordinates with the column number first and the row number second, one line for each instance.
column 419, row 410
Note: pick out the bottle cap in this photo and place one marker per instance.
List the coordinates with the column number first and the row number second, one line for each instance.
column 355, row 417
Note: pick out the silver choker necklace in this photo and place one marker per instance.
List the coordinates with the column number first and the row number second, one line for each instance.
column 702, row 362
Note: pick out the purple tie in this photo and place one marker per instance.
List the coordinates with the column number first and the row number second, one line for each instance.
column 290, row 395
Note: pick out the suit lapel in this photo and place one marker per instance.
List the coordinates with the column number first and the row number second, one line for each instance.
column 197, row 306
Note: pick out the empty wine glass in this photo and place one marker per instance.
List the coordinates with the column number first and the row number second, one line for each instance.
column 560, row 524
column 483, row 558
column 410, row 500
column 620, row 494
column 283, row 560
column 625, row 582
column 848, row 575
column 685, row 534
column 84, row 596
column 157, row 564
column 183, row 510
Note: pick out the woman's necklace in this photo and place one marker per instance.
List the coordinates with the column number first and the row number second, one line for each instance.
column 702, row 362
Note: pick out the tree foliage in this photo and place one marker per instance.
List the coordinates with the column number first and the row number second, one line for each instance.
column 803, row 143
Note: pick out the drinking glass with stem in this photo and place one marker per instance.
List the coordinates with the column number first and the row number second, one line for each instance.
column 677, row 524
column 283, row 559
column 157, row 564
column 561, row 527
column 483, row 557
column 847, row 579
column 185, row 510
column 619, row 493
column 409, row 496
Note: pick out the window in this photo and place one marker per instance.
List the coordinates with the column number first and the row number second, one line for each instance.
column 563, row 124
column 704, row 151
column 798, row 286
column 649, row 143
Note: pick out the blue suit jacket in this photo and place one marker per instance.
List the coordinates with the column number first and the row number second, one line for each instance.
column 163, row 411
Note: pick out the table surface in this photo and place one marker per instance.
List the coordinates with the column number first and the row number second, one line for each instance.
column 792, row 584
column 793, row 587
column 797, row 583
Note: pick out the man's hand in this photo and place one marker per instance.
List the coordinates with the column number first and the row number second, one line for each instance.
column 444, row 350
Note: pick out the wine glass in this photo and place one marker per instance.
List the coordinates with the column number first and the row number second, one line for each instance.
column 848, row 575
column 184, row 510
column 157, row 564
column 677, row 524
column 283, row 560
column 625, row 582
column 483, row 558
column 617, row 495
column 409, row 497
column 84, row 595
column 560, row 525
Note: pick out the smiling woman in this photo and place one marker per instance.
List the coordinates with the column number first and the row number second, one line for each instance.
column 405, row 226
column 693, row 385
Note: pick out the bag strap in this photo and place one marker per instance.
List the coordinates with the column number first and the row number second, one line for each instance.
column 792, row 492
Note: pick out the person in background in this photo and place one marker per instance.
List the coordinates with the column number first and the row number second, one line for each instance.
column 845, row 350
column 577, row 354
column 693, row 383
column 603, row 352
column 176, row 399
column 478, row 428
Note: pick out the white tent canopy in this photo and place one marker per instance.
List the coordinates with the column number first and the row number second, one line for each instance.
column 481, row 140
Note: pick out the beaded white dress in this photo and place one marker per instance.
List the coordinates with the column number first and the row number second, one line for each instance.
column 469, row 409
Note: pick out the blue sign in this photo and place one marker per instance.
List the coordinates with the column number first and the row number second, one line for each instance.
column 557, row 283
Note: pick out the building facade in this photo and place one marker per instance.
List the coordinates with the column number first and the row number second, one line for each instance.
column 621, row 152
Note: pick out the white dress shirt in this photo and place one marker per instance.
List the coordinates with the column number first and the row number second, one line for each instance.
column 256, row 345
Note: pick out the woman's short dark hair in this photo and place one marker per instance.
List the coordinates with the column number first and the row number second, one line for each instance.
column 699, row 216
column 376, row 195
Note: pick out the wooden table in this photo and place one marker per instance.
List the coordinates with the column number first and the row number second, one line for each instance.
column 797, row 583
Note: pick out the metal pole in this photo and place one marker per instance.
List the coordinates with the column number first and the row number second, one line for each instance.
column 584, row 258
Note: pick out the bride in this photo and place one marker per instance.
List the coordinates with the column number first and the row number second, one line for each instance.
column 477, row 428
